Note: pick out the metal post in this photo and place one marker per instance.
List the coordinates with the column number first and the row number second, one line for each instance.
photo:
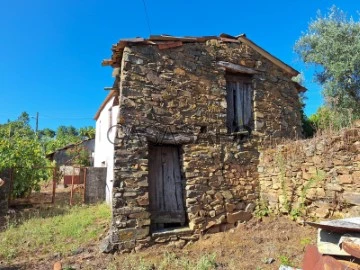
column 37, row 123
column 72, row 186
column 84, row 185
column 54, row 186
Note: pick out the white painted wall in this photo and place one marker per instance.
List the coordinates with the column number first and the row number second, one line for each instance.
column 104, row 149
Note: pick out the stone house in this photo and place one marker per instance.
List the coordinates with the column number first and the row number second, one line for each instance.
column 61, row 156
column 193, row 113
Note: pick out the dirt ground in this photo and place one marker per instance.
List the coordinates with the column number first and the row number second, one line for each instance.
column 257, row 244
column 249, row 246
column 45, row 195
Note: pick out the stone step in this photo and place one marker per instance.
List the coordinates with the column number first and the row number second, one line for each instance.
column 172, row 231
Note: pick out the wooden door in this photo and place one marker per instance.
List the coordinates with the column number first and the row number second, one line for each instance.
column 165, row 186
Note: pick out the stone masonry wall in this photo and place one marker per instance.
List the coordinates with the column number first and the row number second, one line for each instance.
column 317, row 178
column 178, row 96
column 95, row 187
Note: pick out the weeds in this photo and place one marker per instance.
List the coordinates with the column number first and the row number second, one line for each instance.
column 143, row 265
column 57, row 234
column 320, row 176
column 285, row 260
column 206, row 262
column 68, row 268
column 169, row 261
column 281, row 165
column 305, row 241
column 287, row 205
column 297, row 212
column 262, row 209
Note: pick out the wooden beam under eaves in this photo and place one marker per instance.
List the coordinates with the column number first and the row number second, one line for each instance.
column 171, row 38
column 169, row 45
column 236, row 68
column 224, row 39
column 107, row 62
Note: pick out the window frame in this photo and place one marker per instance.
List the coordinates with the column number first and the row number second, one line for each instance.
column 234, row 109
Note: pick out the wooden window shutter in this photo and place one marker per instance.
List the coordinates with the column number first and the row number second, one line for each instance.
column 239, row 103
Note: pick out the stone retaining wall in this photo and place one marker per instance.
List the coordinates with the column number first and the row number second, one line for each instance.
column 318, row 177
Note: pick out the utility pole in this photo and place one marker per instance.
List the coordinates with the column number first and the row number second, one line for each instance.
column 37, row 123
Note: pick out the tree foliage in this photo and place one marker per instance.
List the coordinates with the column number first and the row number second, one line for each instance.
column 47, row 132
column 87, row 132
column 326, row 118
column 79, row 155
column 21, row 151
column 63, row 136
column 307, row 127
column 332, row 42
column 66, row 131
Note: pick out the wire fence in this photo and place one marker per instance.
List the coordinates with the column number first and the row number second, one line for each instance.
column 64, row 185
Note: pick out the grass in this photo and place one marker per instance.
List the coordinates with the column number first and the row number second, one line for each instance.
column 55, row 234
column 168, row 260
column 33, row 244
column 285, row 260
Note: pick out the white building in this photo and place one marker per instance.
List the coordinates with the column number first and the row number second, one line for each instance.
column 104, row 139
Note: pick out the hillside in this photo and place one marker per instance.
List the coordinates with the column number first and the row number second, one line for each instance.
column 72, row 238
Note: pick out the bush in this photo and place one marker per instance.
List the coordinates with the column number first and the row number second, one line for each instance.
column 327, row 118
column 21, row 151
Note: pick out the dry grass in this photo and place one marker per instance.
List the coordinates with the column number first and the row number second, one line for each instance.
column 59, row 232
column 248, row 246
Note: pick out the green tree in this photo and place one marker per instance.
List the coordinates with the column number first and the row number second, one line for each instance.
column 64, row 135
column 87, row 132
column 24, row 118
column 332, row 42
column 79, row 155
column 66, row 131
column 307, row 127
column 21, row 151
column 47, row 133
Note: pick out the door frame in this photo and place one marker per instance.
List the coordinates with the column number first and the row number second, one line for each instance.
column 162, row 219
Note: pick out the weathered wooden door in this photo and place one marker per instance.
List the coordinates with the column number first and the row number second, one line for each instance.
column 165, row 187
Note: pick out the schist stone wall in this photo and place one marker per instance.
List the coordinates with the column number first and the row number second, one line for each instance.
column 319, row 177
column 177, row 96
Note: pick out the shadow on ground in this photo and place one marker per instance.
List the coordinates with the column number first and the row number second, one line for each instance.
column 11, row 268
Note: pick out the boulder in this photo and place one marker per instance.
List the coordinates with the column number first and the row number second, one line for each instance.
column 238, row 216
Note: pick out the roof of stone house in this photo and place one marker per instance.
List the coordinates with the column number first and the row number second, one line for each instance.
column 70, row 145
column 167, row 41
column 111, row 94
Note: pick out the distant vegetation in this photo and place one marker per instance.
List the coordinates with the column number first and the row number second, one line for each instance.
column 64, row 135
column 332, row 43
column 23, row 149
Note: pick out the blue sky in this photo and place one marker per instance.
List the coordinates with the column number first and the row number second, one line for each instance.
column 51, row 51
